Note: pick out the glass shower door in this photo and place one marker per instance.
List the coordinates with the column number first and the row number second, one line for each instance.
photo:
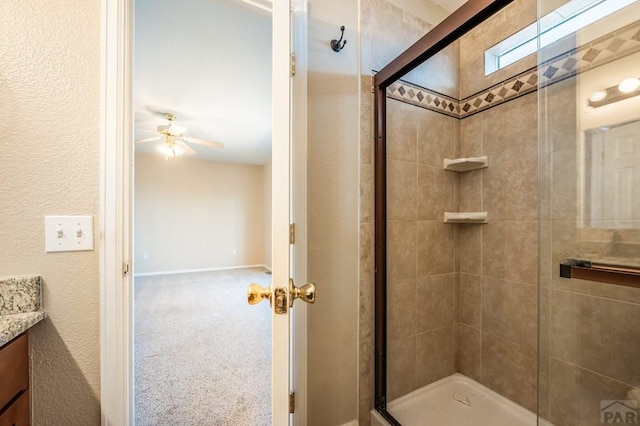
column 589, row 235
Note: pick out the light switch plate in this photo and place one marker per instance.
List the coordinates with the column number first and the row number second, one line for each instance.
column 68, row 233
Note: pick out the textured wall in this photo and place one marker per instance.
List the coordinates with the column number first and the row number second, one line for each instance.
column 333, row 213
column 49, row 121
column 193, row 214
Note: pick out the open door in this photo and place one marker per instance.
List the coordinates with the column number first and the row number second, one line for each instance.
column 288, row 193
column 288, row 204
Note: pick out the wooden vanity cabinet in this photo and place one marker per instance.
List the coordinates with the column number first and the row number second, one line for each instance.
column 14, row 382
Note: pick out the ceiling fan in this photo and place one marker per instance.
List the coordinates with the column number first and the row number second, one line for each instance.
column 174, row 142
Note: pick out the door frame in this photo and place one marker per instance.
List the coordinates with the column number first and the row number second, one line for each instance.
column 115, row 221
column 299, row 34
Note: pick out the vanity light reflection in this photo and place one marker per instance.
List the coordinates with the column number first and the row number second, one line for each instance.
column 627, row 88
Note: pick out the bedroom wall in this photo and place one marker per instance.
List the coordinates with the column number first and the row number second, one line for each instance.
column 197, row 214
column 266, row 213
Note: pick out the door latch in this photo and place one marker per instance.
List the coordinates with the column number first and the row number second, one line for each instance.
column 280, row 301
column 256, row 294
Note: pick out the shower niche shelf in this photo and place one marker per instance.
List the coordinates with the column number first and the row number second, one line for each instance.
column 465, row 217
column 462, row 165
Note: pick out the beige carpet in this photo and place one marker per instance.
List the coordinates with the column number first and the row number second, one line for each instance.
column 202, row 354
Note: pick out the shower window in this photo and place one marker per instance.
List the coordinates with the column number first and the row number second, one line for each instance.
column 561, row 22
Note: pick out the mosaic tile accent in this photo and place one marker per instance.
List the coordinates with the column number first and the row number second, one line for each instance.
column 599, row 52
column 509, row 89
column 419, row 96
column 613, row 46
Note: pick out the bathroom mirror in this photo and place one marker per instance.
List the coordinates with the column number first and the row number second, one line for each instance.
column 611, row 184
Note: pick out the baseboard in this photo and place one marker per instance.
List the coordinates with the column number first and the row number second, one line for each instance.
column 187, row 271
column 351, row 423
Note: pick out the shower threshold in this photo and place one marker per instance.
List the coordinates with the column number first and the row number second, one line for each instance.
column 457, row 400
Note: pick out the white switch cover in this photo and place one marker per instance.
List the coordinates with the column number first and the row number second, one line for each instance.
column 68, row 233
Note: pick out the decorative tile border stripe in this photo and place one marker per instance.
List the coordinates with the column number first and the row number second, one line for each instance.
column 508, row 90
column 599, row 52
column 419, row 96
column 615, row 45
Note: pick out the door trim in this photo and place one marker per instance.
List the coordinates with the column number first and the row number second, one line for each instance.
column 299, row 176
column 116, row 357
column 281, row 209
column 116, row 135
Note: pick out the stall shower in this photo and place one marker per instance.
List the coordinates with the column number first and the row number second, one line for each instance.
column 505, row 218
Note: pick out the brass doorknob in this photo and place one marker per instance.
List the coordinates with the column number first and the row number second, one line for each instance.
column 256, row 293
column 306, row 293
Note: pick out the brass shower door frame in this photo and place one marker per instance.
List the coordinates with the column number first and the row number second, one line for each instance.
column 471, row 14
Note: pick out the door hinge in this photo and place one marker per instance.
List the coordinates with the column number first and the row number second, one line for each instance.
column 292, row 403
column 292, row 233
column 293, row 64
column 125, row 268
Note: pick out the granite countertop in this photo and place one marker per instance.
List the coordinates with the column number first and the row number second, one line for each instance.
column 20, row 306
column 12, row 325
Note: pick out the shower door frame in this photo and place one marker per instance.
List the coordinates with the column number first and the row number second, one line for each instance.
column 453, row 27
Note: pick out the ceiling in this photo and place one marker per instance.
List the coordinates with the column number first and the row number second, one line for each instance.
column 209, row 63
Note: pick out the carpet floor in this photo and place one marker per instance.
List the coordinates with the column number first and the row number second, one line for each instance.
column 202, row 354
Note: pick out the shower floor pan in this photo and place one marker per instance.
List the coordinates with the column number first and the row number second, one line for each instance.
column 456, row 400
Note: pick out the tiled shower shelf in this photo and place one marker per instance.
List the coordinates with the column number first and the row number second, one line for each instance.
column 465, row 164
column 465, row 217
column 601, row 272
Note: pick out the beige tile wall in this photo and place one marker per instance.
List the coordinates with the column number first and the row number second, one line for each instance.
column 496, row 328
column 420, row 247
column 496, row 318
column 506, row 22
column 387, row 30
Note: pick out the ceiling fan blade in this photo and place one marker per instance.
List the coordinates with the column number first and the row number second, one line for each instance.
column 187, row 149
column 155, row 138
column 205, row 143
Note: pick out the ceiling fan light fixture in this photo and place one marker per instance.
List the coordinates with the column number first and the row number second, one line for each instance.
column 172, row 150
column 171, row 129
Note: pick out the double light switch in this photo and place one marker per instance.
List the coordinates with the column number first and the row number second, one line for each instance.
column 68, row 233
